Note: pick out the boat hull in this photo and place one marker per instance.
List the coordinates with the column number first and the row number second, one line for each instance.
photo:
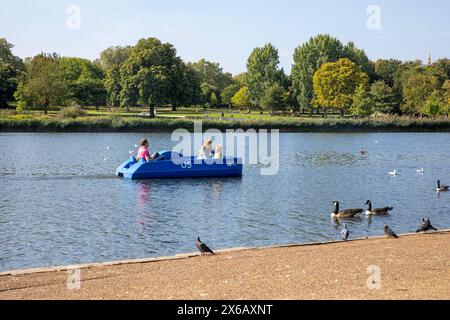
column 181, row 167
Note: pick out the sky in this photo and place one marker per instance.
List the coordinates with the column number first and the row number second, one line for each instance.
column 226, row 31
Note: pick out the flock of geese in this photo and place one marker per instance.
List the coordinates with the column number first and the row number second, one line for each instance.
column 353, row 213
column 388, row 232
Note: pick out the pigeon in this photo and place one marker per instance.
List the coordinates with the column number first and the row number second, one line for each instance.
column 203, row 248
column 389, row 233
column 345, row 232
column 426, row 226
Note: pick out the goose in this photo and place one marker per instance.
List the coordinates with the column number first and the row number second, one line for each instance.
column 348, row 213
column 203, row 248
column 377, row 211
column 389, row 233
column 441, row 187
column 426, row 226
column 345, row 232
column 393, row 173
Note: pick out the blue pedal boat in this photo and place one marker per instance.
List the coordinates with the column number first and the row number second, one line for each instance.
column 184, row 167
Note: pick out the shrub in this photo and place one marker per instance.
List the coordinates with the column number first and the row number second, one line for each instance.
column 21, row 106
column 71, row 112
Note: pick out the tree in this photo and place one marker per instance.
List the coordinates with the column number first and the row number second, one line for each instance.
column 8, row 83
column 335, row 84
column 359, row 57
column 362, row 102
column 6, row 56
column 434, row 104
column 229, row 92
column 147, row 74
column 111, row 61
column 185, row 89
column 262, row 71
column 383, row 97
column 274, row 98
column 84, row 81
column 307, row 60
column 319, row 50
column 386, row 70
column 446, row 89
column 242, row 98
column 440, row 69
column 11, row 70
column 212, row 80
column 44, row 85
column 416, row 90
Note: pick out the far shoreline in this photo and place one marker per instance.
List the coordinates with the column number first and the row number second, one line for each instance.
column 165, row 125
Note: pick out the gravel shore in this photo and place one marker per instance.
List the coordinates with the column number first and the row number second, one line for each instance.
column 411, row 267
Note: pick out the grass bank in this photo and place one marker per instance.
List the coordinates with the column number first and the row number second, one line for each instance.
column 32, row 123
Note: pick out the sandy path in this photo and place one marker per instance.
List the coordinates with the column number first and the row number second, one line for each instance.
column 412, row 267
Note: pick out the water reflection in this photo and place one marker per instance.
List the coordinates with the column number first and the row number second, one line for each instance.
column 143, row 205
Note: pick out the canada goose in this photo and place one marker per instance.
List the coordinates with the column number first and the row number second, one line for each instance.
column 393, row 173
column 441, row 188
column 348, row 213
column 345, row 232
column 377, row 211
column 389, row 233
column 426, row 226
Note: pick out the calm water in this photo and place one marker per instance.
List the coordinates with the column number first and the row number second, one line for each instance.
column 61, row 204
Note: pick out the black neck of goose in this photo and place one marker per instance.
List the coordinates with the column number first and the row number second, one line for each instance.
column 336, row 208
column 439, row 184
column 370, row 206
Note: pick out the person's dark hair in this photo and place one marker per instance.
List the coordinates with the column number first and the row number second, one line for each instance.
column 144, row 142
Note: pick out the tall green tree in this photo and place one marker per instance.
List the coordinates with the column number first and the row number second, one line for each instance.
column 11, row 70
column 274, row 98
column 416, row 90
column 213, row 80
column 84, row 80
column 335, row 84
column 383, row 97
column 8, row 83
column 147, row 74
column 321, row 49
column 362, row 102
column 307, row 60
column 262, row 71
column 434, row 105
column 44, row 85
column 111, row 61
column 359, row 57
column 229, row 92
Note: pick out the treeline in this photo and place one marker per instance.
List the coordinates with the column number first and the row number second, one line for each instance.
column 326, row 74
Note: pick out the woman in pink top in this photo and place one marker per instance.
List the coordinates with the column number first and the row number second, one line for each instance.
column 144, row 153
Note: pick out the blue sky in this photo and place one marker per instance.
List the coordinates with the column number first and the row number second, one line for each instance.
column 226, row 31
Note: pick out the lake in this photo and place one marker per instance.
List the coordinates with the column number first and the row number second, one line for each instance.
column 61, row 204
